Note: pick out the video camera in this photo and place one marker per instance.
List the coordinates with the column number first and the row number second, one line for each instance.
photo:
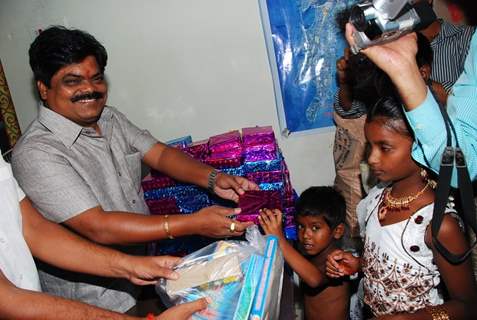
column 380, row 21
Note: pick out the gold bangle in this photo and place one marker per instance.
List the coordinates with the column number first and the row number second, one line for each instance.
column 166, row 227
column 438, row 313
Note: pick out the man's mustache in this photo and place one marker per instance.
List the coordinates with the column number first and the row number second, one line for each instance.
column 87, row 96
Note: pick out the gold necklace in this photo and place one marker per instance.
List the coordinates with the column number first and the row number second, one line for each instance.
column 396, row 204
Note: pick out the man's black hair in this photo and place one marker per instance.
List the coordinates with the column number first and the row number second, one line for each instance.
column 324, row 201
column 57, row 47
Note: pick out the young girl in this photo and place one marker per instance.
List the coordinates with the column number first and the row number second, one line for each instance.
column 402, row 269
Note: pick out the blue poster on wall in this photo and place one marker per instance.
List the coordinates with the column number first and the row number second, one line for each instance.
column 304, row 40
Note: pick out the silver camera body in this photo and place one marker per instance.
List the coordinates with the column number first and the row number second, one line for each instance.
column 381, row 21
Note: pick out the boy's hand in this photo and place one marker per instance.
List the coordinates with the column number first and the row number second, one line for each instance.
column 271, row 222
column 340, row 263
column 342, row 66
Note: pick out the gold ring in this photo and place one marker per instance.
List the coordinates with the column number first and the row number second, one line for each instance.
column 232, row 227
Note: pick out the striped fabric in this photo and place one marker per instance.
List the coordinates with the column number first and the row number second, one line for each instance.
column 450, row 48
column 358, row 109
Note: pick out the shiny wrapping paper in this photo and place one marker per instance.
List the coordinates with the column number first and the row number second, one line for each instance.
column 260, row 153
column 265, row 176
column 291, row 232
column 227, row 162
column 180, row 142
column 267, row 165
column 259, row 144
column 225, row 145
column 156, row 181
column 277, row 186
column 198, row 150
column 188, row 198
column 252, row 201
column 163, row 206
column 258, row 136
column 254, row 155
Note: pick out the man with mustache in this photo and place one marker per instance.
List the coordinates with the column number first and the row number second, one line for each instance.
column 80, row 164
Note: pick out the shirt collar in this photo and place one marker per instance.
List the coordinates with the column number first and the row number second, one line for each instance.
column 447, row 30
column 68, row 131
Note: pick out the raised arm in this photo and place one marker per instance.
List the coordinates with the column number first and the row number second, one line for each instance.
column 271, row 222
column 398, row 60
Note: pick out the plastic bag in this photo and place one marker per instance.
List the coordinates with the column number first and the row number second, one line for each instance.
column 230, row 273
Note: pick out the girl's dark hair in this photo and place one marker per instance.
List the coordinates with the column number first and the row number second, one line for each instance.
column 57, row 47
column 324, row 201
column 390, row 107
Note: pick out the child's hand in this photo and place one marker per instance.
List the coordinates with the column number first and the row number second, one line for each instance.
column 340, row 263
column 271, row 221
column 342, row 66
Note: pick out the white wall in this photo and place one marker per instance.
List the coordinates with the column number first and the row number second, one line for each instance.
column 176, row 67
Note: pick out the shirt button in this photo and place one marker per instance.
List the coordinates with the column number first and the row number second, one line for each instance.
column 119, row 173
column 134, row 201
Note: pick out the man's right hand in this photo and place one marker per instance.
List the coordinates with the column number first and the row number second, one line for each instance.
column 214, row 222
column 183, row 311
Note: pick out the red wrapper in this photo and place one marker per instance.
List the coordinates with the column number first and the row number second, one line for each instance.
column 198, row 150
column 265, row 176
column 252, row 201
column 156, row 181
column 163, row 206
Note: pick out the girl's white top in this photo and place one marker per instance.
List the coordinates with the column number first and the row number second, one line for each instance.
column 399, row 271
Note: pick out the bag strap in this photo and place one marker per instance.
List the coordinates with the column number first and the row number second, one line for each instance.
column 453, row 157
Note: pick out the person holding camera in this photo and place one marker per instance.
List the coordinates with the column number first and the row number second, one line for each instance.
column 397, row 59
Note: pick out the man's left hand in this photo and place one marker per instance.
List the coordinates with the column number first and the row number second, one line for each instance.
column 147, row 270
column 231, row 187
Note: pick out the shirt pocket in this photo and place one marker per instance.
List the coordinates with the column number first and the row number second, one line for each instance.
column 133, row 163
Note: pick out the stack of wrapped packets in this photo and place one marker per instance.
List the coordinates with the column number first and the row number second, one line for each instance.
column 253, row 154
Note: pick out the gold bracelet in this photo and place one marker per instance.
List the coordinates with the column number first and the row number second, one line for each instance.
column 438, row 313
column 166, row 227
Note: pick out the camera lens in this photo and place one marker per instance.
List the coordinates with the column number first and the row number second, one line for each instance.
column 358, row 18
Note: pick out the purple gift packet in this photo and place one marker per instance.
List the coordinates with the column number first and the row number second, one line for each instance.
column 225, row 142
column 258, row 136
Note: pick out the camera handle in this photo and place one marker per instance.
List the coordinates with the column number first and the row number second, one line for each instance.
column 453, row 157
